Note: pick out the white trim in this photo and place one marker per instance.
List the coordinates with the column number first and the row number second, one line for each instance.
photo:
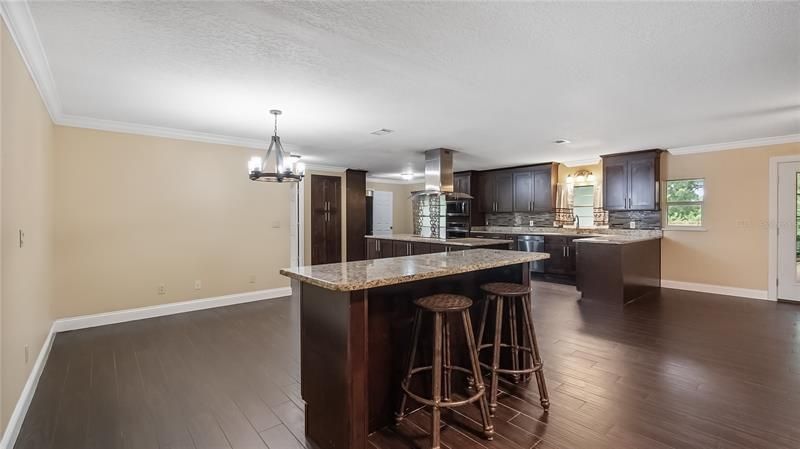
column 581, row 162
column 716, row 289
column 121, row 316
column 20, row 24
column 772, row 223
column 749, row 143
column 156, row 131
column 325, row 168
column 374, row 179
column 26, row 395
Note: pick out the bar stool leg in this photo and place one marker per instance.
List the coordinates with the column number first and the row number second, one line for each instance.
column 488, row 428
column 436, row 374
column 537, row 359
column 401, row 413
column 447, row 355
column 512, row 318
column 498, row 330
column 481, row 330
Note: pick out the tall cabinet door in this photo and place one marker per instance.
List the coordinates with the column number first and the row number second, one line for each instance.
column 523, row 191
column 615, row 184
column 543, row 194
column 642, row 175
column 486, row 192
column 504, row 191
column 326, row 219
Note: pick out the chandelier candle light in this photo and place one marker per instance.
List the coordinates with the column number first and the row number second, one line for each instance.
column 277, row 166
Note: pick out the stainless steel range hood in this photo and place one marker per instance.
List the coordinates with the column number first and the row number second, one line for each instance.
column 439, row 175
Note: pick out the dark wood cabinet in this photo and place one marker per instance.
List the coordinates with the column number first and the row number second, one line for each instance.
column 631, row 181
column 379, row 248
column 562, row 255
column 401, row 249
column 534, row 189
column 523, row 191
column 420, row 248
column 544, row 188
column 496, row 192
column 462, row 183
column 326, row 224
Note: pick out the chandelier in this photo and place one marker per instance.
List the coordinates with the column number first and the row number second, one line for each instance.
column 277, row 166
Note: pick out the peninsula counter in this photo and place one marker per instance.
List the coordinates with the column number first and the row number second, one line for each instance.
column 355, row 321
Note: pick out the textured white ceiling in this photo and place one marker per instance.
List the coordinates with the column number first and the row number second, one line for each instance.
column 496, row 81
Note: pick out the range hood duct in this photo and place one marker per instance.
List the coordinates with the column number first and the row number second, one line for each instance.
column 439, row 175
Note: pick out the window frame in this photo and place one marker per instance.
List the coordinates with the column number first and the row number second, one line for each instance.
column 667, row 203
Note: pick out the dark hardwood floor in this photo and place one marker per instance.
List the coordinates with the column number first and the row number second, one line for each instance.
column 685, row 370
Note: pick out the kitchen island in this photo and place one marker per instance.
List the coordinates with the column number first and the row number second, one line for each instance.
column 355, row 321
column 618, row 269
column 396, row 245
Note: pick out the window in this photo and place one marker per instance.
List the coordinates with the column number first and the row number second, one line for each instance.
column 685, row 202
column 583, row 205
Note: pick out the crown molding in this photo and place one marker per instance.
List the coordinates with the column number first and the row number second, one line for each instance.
column 394, row 181
column 327, row 168
column 20, row 24
column 157, row 131
column 749, row 143
column 580, row 162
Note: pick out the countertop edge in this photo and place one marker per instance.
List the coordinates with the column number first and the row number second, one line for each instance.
column 402, row 279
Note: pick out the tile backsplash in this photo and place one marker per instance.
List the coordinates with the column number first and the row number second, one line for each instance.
column 644, row 219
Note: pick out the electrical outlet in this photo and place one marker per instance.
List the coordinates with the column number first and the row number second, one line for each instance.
column 27, row 353
column 198, row 284
column 632, row 225
column 162, row 289
column 530, row 223
column 252, row 279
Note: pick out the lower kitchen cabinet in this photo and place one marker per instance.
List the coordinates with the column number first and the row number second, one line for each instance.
column 379, row 248
column 420, row 248
column 562, row 255
column 401, row 248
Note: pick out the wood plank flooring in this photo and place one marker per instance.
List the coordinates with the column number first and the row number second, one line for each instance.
column 685, row 370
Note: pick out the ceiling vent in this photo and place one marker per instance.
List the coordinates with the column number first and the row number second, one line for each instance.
column 382, row 132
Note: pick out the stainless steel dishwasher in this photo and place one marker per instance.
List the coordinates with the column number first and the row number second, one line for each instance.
column 535, row 244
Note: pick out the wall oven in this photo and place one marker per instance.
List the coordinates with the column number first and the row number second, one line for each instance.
column 457, row 208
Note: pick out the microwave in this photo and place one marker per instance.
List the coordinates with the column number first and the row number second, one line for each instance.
column 457, row 208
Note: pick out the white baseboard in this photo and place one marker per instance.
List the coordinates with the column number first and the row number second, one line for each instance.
column 121, row 316
column 25, row 397
column 716, row 289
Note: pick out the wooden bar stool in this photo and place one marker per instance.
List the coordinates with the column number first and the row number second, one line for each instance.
column 441, row 305
column 525, row 359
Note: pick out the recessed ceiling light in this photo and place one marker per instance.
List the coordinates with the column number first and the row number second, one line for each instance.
column 382, row 132
column 561, row 141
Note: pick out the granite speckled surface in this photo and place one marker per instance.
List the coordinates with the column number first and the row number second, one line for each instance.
column 469, row 241
column 616, row 239
column 364, row 274
column 594, row 232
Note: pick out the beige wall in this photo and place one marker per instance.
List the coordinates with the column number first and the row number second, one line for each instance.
column 402, row 217
column 26, row 150
column 734, row 249
column 134, row 212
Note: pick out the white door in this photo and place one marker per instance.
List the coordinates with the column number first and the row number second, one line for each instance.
column 788, row 200
column 381, row 213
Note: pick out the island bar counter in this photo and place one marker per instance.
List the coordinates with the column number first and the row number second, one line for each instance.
column 355, row 321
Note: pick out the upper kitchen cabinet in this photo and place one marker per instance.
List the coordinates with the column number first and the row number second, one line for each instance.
column 496, row 191
column 462, row 183
column 631, row 181
column 534, row 188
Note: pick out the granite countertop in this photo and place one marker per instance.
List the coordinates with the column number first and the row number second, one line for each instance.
column 469, row 241
column 594, row 232
column 616, row 239
column 364, row 274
